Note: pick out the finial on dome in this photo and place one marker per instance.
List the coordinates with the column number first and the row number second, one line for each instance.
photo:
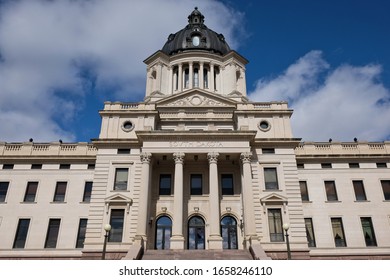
column 196, row 17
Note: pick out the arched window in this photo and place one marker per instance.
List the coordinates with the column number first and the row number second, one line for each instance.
column 196, row 233
column 229, row 233
column 186, row 78
column 163, row 233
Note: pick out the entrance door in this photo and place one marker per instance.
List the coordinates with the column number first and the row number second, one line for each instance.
column 229, row 233
column 163, row 233
column 196, row 233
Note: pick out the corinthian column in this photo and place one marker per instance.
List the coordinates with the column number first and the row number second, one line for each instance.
column 247, row 197
column 215, row 239
column 144, row 197
column 177, row 239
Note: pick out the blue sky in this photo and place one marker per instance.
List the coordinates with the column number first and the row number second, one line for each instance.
column 61, row 59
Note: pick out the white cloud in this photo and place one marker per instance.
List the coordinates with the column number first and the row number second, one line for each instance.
column 48, row 48
column 342, row 103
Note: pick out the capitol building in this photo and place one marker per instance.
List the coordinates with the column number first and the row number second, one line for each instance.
column 195, row 170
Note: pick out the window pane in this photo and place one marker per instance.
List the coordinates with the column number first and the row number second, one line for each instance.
column 31, row 191
column 338, row 232
column 275, row 225
column 59, row 195
column 227, row 184
column 304, row 192
column 196, row 184
column 21, row 233
column 368, row 232
column 36, row 166
column 386, row 189
column 116, row 222
column 121, row 175
column 165, row 184
column 8, row 166
column 310, row 232
column 52, row 233
column 271, row 179
column 359, row 190
column 87, row 192
column 330, row 189
column 81, row 233
column 3, row 190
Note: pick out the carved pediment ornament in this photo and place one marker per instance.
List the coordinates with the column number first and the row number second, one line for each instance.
column 196, row 100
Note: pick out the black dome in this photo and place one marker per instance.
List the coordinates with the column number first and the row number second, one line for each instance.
column 196, row 36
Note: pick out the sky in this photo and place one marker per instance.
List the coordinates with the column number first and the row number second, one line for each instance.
column 61, row 59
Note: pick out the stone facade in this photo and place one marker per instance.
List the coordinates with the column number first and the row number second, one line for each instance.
column 196, row 165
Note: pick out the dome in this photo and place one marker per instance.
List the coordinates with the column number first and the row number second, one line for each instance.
column 196, row 36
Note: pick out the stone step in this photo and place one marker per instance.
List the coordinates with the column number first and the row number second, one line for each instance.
column 197, row 255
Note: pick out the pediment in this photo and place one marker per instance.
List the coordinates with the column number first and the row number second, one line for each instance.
column 273, row 198
column 196, row 98
column 118, row 199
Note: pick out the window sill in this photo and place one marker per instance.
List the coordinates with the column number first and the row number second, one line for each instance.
column 28, row 202
column 272, row 190
column 307, row 201
column 85, row 202
column 120, row 191
column 58, row 202
column 362, row 201
column 333, row 201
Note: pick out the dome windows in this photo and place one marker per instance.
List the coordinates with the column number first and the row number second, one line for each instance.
column 196, row 40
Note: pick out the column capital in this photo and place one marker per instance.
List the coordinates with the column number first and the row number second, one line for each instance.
column 213, row 157
column 146, row 157
column 179, row 157
column 246, row 157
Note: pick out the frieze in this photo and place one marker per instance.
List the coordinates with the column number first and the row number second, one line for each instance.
column 196, row 100
column 196, row 144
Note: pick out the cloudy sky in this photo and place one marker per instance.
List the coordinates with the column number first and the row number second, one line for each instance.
column 61, row 59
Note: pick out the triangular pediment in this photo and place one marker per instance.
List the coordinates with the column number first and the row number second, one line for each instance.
column 196, row 98
column 273, row 198
column 118, row 199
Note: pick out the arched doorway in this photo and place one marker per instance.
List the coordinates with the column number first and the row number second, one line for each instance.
column 196, row 233
column 229, row 233
column 163, row 233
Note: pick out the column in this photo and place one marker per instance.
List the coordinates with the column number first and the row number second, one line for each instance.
column 177, row 239
column 191, row 75
column 247, row 200
column 143, row 198
column 201, row 81
column 180, row 73
column 215, row 239
column 211, row 80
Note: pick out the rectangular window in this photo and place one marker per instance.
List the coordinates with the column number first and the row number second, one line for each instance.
column 8, row 166
column 326, row 165
column 304, row 192
column 381, row 165
column 268, row 151
column 300, row 166
column 338, row 232
column 64, row 166
column 121, row 177
column 52, row 233
column 165, row 184
column 116, row 222
column 196, row 184
column 21, row 233
column 3, row 190
column 36, row 166
column 354, row 165
column 360, row 194
column 59, row 195
column 227, row 184
column 123, row 151
column 81, row 233
column 205, row 78
column 275, row 225
column 87, row 192
column 330, row 188
column 91, row 166
column 271, row 178
column 368, row 231
column 310, row 232
column 31, row 192
column 386, row 188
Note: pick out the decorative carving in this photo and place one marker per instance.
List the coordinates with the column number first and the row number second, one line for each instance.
column 196, row 100
column 179, row 157
column 146, row 157
column 246, row 157
column 213, row 157
column 209, row 144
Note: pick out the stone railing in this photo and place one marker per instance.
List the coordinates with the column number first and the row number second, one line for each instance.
column 343, row 148
column 120, row 106
column 47, row 149
column 263, row 106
